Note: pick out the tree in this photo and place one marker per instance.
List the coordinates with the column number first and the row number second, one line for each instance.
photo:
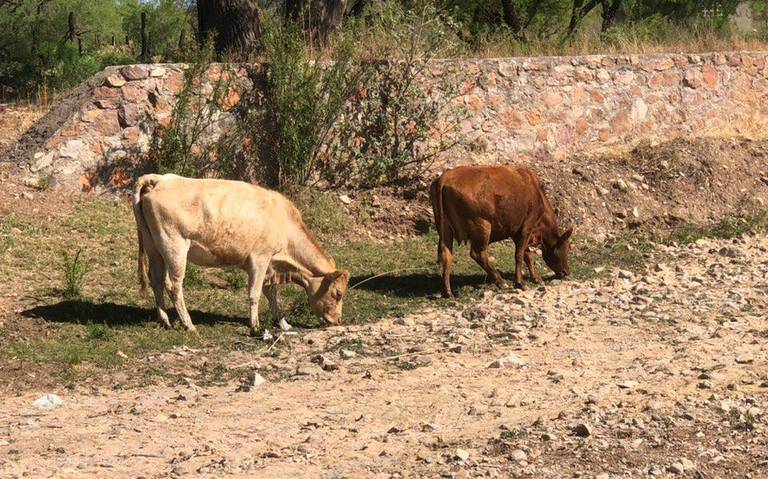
column 234, row 24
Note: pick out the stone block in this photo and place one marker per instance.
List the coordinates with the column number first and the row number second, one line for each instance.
column 134, row 72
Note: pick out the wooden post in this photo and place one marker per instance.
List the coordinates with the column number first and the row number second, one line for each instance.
column 144, row 42
column 80, row 46
column 71, row 27
column 113, row 41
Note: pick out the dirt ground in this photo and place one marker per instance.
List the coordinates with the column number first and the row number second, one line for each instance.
column 651, row 375
column 662, row 373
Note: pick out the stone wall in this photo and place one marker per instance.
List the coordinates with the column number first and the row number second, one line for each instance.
column 512, row 110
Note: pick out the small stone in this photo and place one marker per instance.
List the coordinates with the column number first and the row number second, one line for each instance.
column 745, row 359
column 518, row 455
column 395, row 429
column 404, row 322
column 27, row 195
column 327, row 364
column 157, row 72
column 461, row 455
column 620, row 185
column 628, row 384
column 582, row 430
column 347, row 354
column 122, row 354
column 510, row 360
column 115, row 81
column 345, row 199
column 599, row 269
column 284, row 326
column 624, row 274
column 455, row 348
column 267, row 336
column 134, row 72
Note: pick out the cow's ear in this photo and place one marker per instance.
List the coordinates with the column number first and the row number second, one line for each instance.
column 566, row 235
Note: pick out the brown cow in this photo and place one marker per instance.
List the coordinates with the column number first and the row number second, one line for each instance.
column 485, row 204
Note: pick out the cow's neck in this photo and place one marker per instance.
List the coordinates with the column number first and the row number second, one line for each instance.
column 549, row 233
column 308, row 258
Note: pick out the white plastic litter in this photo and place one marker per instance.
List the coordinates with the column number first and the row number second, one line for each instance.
column 49, row 401
column 267, row 336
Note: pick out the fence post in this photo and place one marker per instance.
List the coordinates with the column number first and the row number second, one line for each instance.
column 113, row 41
column 80, row 46
column 71, row 27
column 144, row 46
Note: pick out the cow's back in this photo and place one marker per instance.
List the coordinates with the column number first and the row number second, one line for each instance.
column 500, row 196
column 225, row 220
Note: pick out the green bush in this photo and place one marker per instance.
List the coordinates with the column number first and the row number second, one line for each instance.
column 73, row 274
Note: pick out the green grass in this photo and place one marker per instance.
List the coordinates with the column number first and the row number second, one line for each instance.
column 727, row 228
column 109, row 315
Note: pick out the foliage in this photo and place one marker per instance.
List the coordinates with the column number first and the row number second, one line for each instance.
column 303, row 98
column 73, row 274
column 185, row 147
column 390, row 131
column 36, row 51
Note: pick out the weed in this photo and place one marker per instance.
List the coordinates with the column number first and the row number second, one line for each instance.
column 98, row 332
column 731, row 226
column 514, row 434
column 74, row 271
column 236, row 278
column 194, row 277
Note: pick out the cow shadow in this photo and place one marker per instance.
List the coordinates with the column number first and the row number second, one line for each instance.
column 420, row 285
column 112, row 314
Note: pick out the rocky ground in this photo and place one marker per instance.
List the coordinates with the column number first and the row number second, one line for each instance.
column 660, row 374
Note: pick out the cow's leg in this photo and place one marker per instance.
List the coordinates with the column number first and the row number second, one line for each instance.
column 157, row 278
column 521, row 252
column 532, row 267
column 257, row 269
column 445, row 259
column 176, row 262
column 479, row 253
column 274, row 306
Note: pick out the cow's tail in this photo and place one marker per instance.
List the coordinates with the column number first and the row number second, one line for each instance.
column 436, row 198
column 143, row 185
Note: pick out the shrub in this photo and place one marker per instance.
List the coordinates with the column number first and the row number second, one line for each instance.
column 187, row 147
column 74, row 271
column 303, row 98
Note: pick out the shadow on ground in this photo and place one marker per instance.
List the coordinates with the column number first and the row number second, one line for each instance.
column 80, row 312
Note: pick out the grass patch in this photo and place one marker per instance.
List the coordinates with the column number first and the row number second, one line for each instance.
column 108, row 314
column 727, row 228
column 74, row 270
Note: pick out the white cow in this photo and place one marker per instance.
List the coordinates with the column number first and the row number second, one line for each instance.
column 230, row 223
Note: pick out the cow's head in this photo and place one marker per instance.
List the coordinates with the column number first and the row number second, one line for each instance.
column 556, row 255
column 326, row 294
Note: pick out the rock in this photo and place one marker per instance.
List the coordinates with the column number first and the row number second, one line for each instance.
column 254, row 380
column 122, row 354
column 599, row 269
column 427, row 427
column 347, row 354
column 620, row 185
column 404, row 322
column 115, row 81
column 461, row 455
column 327, row 364
column 49, row 401
column 134, row 72
column 624, row 274
column 304, row 371
column 582, row 430
column 628, row 384
column 267, row 336
column 157, row 72
column 455, row 348
column 745, row 359
column 284, row 326
column 510, row 360
column 474, row 313
column 345, row 199
column 681, row 466
column 27, row 195
column 395, row 429
column 518, row 455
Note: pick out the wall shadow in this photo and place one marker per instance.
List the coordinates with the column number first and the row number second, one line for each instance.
column 111, row 314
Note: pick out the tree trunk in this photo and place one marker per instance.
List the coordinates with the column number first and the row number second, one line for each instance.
column 511, row 17
column 71, row 27
column 610, row 9
column 234, row 24
column 144, row 41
